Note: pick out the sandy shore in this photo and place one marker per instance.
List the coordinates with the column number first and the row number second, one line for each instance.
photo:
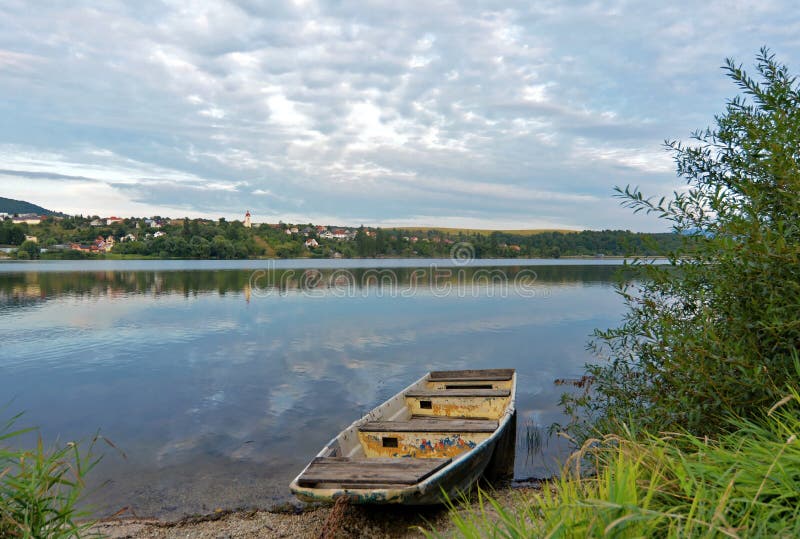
column 300, row 522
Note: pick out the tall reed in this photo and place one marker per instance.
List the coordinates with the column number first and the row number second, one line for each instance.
column 744, row 484
column 40, row 488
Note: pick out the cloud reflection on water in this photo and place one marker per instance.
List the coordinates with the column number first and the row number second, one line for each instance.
column 184, row 374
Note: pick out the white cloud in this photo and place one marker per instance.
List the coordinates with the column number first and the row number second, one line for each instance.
column 213, row 112
column 380, row 112
column 536, row 93
column 369, row 130
column 18, row 61
column 285, row 113
column 417, row 61
column 655, row 160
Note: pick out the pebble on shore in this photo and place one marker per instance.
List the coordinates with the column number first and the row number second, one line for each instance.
column 306, row 522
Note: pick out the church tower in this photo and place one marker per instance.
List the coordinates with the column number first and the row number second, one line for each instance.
column 247, row 223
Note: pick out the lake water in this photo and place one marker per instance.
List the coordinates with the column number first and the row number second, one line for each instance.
column 220, row 380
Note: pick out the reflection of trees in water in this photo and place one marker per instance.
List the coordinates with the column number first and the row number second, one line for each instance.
column 428, row 277
column 23, row 288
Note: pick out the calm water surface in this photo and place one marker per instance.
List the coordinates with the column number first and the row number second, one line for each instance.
column 220, row 384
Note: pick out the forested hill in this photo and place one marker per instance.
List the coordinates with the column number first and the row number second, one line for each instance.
column 11, row 206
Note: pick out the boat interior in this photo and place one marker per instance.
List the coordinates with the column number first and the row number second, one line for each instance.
column 415, row 433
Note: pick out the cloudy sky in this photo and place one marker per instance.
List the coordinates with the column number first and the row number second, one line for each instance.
column 468, row 113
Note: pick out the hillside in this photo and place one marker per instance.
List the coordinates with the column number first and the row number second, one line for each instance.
column 11, row 206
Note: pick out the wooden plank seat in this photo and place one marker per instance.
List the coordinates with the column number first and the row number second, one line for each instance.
column 433, row 393
column 431, row 424
column 487, row 375
column 369, row 472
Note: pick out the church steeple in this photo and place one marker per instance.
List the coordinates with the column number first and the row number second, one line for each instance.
column 247, row 223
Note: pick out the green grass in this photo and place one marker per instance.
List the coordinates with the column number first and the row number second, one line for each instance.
column 40, row 488
column 745, row 484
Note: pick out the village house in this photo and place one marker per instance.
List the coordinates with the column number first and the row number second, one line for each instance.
column 152, row 223
column 97, row 222
column 342, row 234
column 127, row 237
column 311, row 243
column 80, row 247
column 113, row 220
column 326, row 234
column 34, row 239
column 100, row 245
column 159, row 234
column 28, row 218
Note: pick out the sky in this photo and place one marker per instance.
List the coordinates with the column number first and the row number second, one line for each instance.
column 469, row 114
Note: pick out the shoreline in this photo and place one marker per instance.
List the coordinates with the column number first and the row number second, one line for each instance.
column 306, row 521
column 144, row 257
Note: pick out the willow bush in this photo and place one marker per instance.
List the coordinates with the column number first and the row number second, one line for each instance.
column 713, row 334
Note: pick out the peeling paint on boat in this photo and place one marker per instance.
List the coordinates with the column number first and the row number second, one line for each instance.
column 486, row 407
column 420, row 444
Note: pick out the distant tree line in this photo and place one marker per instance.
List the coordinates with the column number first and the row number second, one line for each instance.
column 434, row 243
column 202, row 238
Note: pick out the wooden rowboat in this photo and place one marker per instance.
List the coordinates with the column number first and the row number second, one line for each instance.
column 439, row 435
